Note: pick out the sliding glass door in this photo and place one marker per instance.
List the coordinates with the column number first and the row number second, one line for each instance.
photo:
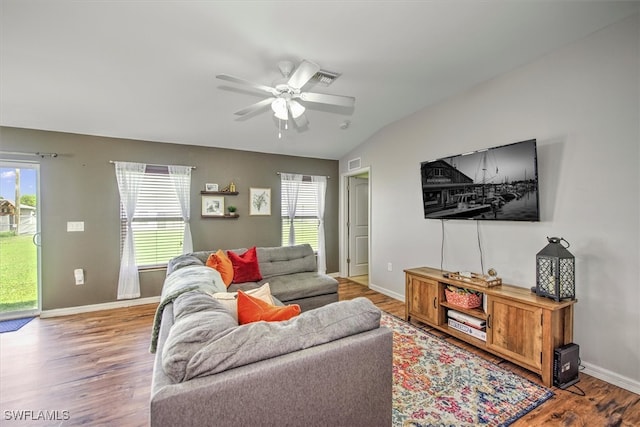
column 19, row 239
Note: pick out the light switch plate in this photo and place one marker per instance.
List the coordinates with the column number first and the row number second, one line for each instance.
column 75, row 225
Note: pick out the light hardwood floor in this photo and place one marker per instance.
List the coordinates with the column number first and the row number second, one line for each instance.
column 97, row 367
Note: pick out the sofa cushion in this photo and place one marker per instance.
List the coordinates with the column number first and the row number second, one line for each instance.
column 302, row 285
column 252, row 309
column 245, row 266
column 206, row 340
column 278, row 261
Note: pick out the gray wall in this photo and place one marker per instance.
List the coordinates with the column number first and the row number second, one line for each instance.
column 582, row 104
column 80, row 185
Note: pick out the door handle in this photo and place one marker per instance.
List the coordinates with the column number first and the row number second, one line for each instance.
column 489, row 322
column 435, row 300
column 36, row 239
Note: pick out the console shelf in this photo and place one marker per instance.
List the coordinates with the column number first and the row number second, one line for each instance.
column 475, row 312
column 520, row 326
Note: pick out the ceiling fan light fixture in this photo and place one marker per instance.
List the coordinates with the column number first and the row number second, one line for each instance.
column 279, row 107
column 296, row 109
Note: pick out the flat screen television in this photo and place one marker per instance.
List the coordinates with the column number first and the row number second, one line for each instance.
column 498, row 183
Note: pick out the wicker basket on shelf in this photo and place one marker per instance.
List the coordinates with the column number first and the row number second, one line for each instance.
column 463, row 299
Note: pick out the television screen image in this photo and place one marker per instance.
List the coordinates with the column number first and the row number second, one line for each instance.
column 499, row 183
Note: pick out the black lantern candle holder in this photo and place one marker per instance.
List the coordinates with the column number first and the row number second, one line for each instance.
column 555, row 271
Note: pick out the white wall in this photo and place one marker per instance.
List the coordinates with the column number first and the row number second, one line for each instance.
column 581, row 103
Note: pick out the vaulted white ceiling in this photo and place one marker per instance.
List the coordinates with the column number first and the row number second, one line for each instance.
column 145, row 70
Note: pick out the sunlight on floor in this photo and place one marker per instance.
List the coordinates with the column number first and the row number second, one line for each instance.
column 362, row 280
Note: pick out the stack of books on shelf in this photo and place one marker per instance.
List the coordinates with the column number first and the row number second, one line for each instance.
column 468, row 324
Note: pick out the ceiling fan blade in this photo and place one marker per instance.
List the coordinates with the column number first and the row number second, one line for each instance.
column 232, row 79
column 301, row 121
column 324, row 98
column 305, row 71
column 255, row 107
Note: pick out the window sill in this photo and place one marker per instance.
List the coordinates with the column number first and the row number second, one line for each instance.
column 152, row 268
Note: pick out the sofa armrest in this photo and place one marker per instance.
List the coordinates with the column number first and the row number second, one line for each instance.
column 343, row 382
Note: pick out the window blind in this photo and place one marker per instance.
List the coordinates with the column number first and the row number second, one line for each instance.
column 306, row 221
column 157, row 224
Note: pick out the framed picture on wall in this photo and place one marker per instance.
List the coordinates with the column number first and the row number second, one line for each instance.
column 259, row 201
column 211, row 187
column 212, row 206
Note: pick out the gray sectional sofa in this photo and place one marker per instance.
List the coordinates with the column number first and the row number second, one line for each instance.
column 329, row 366
column 290, row 271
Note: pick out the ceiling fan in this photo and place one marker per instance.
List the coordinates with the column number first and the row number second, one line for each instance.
column 285, row 93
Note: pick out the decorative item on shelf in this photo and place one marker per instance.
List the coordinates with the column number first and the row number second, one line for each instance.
column 463, row 298
column 211, row 187
column 212, row 206
column 555, row 271
column 232, row 210
column 477, row 279
column 231, row 188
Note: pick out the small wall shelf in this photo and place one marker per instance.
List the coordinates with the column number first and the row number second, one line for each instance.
column 221, row 216
column 220, row 193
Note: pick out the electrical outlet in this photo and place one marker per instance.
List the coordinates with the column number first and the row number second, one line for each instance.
column 389, row 266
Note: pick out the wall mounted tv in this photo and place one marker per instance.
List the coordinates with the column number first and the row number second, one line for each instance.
column 499, row 183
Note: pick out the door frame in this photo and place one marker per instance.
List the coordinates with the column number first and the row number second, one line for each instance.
column 25, row 164
column 344, row 219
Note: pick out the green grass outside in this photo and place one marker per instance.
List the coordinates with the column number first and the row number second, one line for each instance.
column 157, row 247
column 18, row 273
column 306, row 231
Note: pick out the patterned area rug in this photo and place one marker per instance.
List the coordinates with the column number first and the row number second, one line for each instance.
column 436, row 383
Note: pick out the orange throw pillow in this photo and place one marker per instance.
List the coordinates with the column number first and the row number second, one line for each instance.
column 252, row 309
column 221, row 262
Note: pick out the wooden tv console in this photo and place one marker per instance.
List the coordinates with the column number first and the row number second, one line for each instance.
column 521, row 326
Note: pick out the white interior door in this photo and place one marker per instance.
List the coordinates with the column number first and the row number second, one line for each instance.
column 358, row 226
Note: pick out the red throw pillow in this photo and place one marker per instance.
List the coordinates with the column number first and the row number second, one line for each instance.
column 219, row 261
column 252, row 309
column 245, row 266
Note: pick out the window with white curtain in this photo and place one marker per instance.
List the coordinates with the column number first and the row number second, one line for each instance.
column 158, row 225
column 305, row 221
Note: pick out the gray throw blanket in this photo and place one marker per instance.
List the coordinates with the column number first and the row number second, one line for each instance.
column 193, row 278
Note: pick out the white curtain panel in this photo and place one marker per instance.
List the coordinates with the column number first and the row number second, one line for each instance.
column 291, row 186
column 321, row 193
column 181, row 180
column 130, row 177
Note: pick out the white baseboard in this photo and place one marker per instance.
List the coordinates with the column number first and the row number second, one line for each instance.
column 611, row 377
column 98, row 307
column 386, row 292
column 334, row 275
